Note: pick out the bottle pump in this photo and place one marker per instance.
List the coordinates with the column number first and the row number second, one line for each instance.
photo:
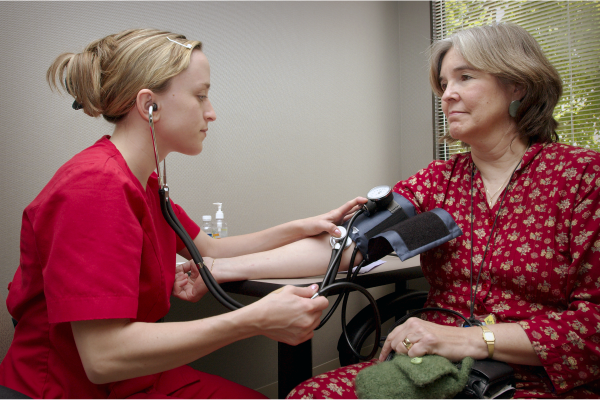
column 220, row 228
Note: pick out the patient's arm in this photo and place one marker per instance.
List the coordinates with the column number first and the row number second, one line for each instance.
column 307, row 257
column 511, row 345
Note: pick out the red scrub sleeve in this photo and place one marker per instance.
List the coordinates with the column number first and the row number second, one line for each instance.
column 89, row 240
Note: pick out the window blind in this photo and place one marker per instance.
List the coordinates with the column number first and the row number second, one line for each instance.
column 569, row 33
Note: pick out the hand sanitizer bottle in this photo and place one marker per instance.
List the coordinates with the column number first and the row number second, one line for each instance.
column 207, row 225
column 220, row 226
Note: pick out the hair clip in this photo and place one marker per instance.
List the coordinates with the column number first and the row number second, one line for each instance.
column 77, row 105
column 187, row 46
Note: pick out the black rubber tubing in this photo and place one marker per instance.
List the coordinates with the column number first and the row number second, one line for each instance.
column 209, row 280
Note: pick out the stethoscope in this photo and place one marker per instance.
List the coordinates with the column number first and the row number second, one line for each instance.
column 171, row 218
column 378, row 199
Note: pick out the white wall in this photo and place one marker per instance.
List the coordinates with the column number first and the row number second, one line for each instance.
column 316, row 103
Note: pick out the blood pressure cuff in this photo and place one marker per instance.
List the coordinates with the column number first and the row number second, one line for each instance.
column 402, row 230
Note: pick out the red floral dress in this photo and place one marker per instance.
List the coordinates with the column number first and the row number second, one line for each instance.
column 542, row 268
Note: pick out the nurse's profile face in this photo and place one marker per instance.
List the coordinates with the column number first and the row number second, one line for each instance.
column 185, row 109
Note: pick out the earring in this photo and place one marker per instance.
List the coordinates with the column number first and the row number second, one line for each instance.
column 514, row 106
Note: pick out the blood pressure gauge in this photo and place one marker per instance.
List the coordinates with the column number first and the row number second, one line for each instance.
column 379, row 198
column 379, row 193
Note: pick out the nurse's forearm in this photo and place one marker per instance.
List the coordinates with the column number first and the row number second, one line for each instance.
column 277, row 236
column 235, row 246
column 116, row 349
column 307, row 257
column 267, row 239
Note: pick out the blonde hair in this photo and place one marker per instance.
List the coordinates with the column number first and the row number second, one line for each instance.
column 106, row 77
column 510, row 53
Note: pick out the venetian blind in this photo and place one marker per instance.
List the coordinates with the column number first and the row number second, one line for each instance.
column 569, row 33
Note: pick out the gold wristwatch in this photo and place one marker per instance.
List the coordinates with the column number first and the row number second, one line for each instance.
column 489, row 338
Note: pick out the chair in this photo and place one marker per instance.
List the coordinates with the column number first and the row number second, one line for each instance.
column 8, row 393
column 363, row 324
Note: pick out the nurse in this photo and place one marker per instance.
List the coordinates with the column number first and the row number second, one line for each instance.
column 97, row 265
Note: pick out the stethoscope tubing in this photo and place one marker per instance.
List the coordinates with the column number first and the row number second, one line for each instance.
column 349, row 278
column 336, row 256
column 329, row 284
column 328, row 280
column 173, row 221
column 213, row 286
column 206, row 275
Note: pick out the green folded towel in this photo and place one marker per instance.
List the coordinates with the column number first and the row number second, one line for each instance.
column 427, row 377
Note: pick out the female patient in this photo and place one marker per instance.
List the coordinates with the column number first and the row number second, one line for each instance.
column 530, row 212
column 97, row 265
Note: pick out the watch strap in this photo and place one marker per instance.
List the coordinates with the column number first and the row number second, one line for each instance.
column 489, row 338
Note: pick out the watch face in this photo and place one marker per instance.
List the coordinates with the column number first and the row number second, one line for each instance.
column 488, row 336
column 378, row 192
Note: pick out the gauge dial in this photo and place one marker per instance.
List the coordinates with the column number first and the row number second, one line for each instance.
column 378, row 192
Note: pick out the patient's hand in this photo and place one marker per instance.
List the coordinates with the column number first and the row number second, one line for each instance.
column 328, row 222
column 192, row 287
column 426, row 337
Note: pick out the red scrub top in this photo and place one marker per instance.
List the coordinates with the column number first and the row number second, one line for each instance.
column 94, row 245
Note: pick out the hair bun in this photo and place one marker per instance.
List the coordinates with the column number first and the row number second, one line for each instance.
column 107, row 75
column 103, row 48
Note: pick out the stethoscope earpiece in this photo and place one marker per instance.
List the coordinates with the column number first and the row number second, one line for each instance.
column 162, row 179
column 151, row 109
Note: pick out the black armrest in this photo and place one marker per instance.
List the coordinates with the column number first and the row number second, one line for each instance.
column 8, row 393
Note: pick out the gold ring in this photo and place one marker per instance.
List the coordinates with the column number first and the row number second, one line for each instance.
column 407, row 343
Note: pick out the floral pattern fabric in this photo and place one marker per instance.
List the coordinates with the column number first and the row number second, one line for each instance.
column 542, row 267
column 338, row 384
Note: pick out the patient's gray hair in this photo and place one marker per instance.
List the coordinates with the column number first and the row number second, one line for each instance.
column 510, row 53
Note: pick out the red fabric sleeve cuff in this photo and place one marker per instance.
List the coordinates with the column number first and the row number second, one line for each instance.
column 82, row 309
column 551, row 355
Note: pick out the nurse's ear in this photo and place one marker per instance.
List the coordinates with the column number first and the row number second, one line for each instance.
column 144, row 100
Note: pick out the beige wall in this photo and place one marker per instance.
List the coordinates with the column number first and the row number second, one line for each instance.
column 316, row 103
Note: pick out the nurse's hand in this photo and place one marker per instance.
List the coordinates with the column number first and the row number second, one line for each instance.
column 289, row 315
column 328, row 222
column 188, row 282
